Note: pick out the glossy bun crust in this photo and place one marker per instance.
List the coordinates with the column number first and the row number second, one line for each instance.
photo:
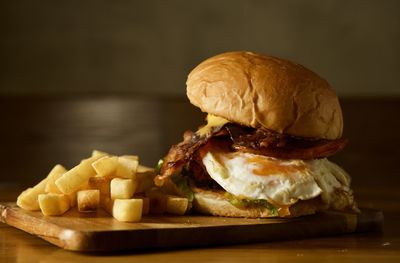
column 266, row 92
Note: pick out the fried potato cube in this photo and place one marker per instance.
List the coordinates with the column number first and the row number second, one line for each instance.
column 145, row 169
column 122, row 188
column 100, row 182
column 128, row 210
column 158, row 202
column 77, row 177
column 73, row 196
column 53, row 204
column 131, row 157
column 28, row 199
column 177, row 205
column 127, row 166
column 97, row 153
column 146, row 205
column 106, row 166
column 54, row 174
column 145, row 178
column 106, row 203
column 88, row 200
column 72, row 199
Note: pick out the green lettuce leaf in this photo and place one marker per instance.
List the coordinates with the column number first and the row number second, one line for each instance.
column 183, row 185
column 247, row 203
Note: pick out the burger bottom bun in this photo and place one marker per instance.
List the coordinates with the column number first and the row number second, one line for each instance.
column 215, row 203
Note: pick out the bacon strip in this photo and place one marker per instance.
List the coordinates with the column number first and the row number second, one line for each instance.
column 183, row 152
column 319, row 150
column 257, row 141
column 268, row 143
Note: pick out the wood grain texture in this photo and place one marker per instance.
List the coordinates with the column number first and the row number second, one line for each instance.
column 100, row 232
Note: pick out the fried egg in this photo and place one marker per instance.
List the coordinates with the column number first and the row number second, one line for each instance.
column 281, row 182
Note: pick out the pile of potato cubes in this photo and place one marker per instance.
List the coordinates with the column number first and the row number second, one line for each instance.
column 118, row 184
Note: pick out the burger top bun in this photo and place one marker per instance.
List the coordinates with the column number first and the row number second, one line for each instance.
column 266, row 92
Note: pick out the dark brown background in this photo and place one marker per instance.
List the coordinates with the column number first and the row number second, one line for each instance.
column 148, row 47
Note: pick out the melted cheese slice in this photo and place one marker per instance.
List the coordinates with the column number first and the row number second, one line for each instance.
column 212, row 122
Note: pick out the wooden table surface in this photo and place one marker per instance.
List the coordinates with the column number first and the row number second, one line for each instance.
column 36, row 133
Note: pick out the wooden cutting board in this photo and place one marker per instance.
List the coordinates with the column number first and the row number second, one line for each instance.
column 100, row 232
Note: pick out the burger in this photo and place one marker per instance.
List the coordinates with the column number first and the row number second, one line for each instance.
column 271, row 125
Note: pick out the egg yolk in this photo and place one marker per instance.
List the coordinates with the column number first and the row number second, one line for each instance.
column 267, row 167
